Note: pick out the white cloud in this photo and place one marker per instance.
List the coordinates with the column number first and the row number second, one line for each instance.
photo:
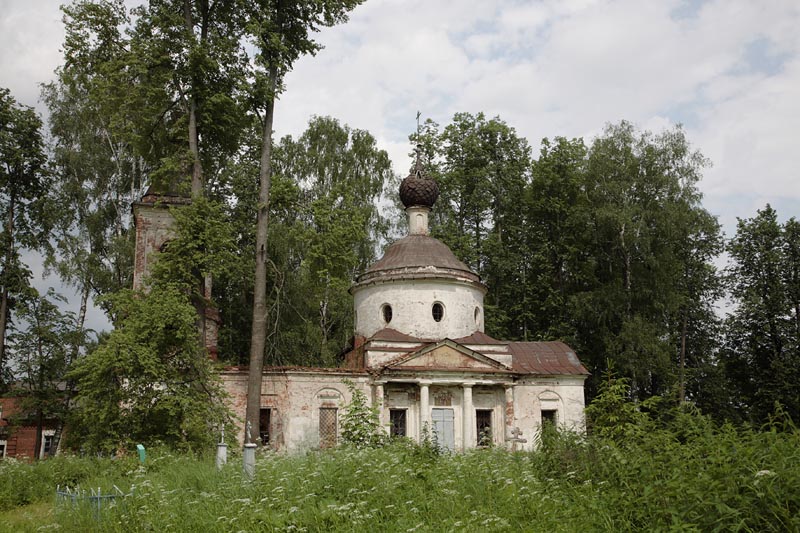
column 30, row 38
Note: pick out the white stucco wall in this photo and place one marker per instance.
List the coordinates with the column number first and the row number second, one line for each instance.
column 412, row 301
column 295, row 399
column 563, row 394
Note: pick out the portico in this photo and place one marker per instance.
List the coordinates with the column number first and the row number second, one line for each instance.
column 426, row 402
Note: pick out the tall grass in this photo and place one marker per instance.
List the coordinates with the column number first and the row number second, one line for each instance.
column 696, row 478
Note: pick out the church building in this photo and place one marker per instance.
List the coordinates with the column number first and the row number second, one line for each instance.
column 421, row 355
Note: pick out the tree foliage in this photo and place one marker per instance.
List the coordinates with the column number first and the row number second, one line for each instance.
column 42, row 345
column 150, row 379
column 325, row 228
column 24, row 213
column 762, row 350
column 606, row 247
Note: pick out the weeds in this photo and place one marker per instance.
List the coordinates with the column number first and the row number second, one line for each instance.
column 690, row 475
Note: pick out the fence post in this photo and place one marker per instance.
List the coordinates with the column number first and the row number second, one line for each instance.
column 222, row 455
column 249, row 457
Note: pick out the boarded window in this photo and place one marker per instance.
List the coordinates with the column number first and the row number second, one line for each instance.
column 327, row 427
column 397, row 417
column 264, row 424
column 483, row 425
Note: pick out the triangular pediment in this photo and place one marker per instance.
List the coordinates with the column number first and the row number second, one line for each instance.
column 446, row 355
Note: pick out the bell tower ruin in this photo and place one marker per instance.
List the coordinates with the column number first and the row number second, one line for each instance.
column 154, row 229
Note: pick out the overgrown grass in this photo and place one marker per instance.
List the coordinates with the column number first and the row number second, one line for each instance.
column 698, row 478
column 22, row 483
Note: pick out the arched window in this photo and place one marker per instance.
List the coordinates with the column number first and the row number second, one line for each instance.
column 437, row 311
column 387, row 313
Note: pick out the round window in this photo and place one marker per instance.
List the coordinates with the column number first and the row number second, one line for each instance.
column 387, row 313
column 437, row 311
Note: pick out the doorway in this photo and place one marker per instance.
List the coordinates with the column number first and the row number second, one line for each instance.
column 483, row 426
column 443, row 427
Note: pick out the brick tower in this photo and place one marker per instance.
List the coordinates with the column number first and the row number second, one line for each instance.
column 154, row 229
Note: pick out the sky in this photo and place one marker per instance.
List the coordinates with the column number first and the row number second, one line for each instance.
column 727, row 70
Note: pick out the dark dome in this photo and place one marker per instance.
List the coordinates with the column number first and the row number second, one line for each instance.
column 418, row 189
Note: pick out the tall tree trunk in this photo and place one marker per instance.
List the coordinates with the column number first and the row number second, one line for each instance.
column 626, row 274
column 797, row 321
column 682, row 369
column 258, row 338
column 40, row 381
column 197, row 168
column 69, row 389
column 37, row 444
column 198, row 186
column 4, row 300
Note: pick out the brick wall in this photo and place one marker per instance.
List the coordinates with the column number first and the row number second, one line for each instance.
column 20, row 438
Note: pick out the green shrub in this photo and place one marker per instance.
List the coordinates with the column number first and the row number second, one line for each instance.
column 360, row 424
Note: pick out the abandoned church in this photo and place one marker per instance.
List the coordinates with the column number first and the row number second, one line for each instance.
column 420, row 352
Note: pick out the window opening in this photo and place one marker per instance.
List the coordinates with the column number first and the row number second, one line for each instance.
column 477, row 316
column 397, row 419
column 483, row 424
column 437, row 311
column 47, row 446
column 264, row 423
column 387, row 313
column 549, row 416
column 327, row 427
column 2, row 449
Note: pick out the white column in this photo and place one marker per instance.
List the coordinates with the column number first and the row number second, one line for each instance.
column 424, row 407
column 468, row 418
column 509, row 410
column 377, row 403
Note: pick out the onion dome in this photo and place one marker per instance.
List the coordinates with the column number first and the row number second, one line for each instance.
column 418, row 189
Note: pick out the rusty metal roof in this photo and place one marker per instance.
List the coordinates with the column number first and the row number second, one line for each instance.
column 418, row 251
column 479, row 337
column 543, row 358
column 392, row 335
column 303, row 369
column 549, row 358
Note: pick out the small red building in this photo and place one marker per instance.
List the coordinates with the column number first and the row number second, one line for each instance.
column 18, row 433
